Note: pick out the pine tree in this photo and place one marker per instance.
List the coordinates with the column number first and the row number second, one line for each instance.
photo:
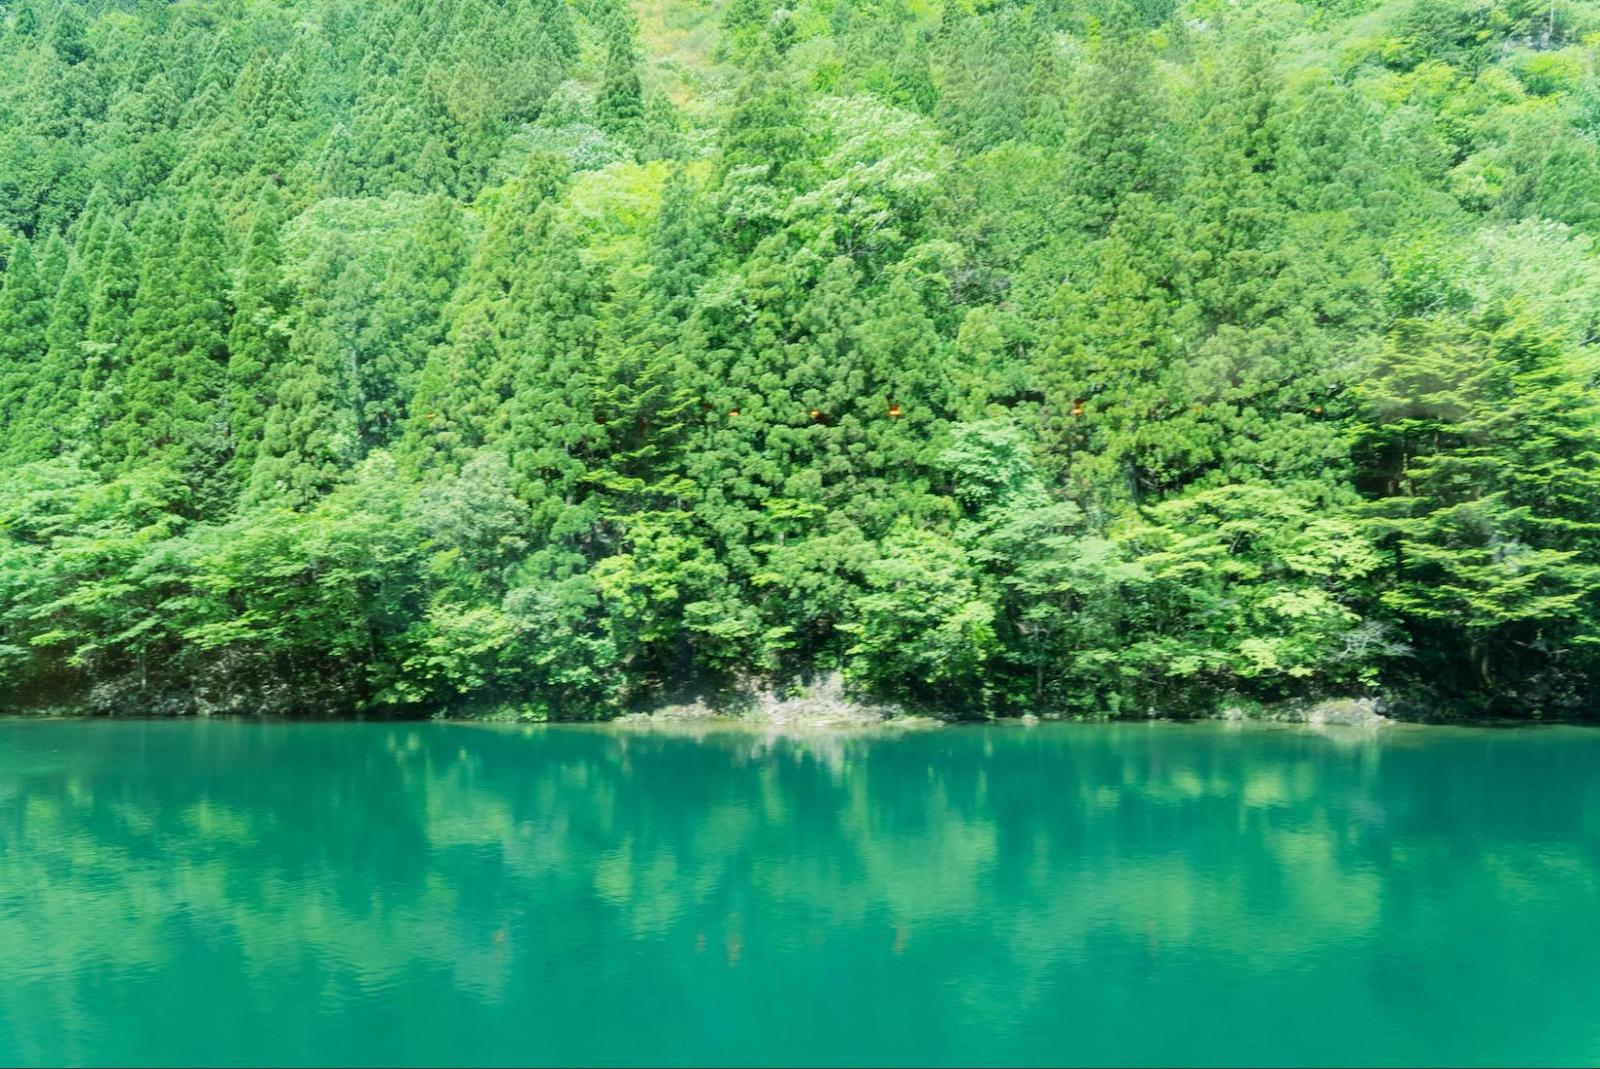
column 906, row 395
column 1478, row 438
column 460, row 395
column 1233, row 215
column 52, row 264
column 1047, row 117
column 89, row 230
column 744, row 28
column 68, row 35
column 459, row 403
column 409, row 321
column 764, row 157
column 683, row 251
column 1122, row 411
column 555, row 26
column 911, row 77
column 765, row 132
column 550, row 332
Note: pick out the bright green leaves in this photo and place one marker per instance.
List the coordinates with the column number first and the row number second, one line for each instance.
column 667, row 597
column 1483, row 434
column 924, row 629
column 1258, row 585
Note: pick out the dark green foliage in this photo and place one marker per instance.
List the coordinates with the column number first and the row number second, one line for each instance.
column 45, row 427
column 1484, row 434
column 172, row 394
column 257, row 336
column 1115, row 143
column 108, row 338
column 619, row 106
column 546, row 359
column 24, row 320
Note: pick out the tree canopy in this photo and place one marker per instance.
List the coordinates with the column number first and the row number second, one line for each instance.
column 550, row 358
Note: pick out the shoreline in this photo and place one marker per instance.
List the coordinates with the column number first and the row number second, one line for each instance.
column 826, row 705
column 647, row 724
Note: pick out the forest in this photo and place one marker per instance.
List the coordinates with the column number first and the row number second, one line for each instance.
column 547, row 359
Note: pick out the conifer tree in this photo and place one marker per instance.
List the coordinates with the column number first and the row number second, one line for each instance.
column 108, row 338
column 45, row 424
column 52, row 264
column 409, row 321
column 1479, row 437
column 1064, row 355
column 310, row 435
column 765, row 132
column 1047, row 120
column 1233, row 215
column 744, row 27
column 911, row 76
column 619, row 106
column 555, row 26
column 257, row 336
column 89, row 230
column 1116, row 143
column 459, row 403
column 460, row 394
column 173, row 398
column 682, row 251
column 24, row 317
column 549, row 332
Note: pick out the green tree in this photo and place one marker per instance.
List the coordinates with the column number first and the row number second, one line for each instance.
column 173, row 391
column 108, row 339
column 257, row 336
column 619, row 106
column 24, row 320
column 45, row 423
column 1478, row 445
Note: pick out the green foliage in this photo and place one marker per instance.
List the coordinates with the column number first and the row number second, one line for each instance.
column 924, row 629
column 1263, row 587
column 1089, row 359
column 24, row 321
column 257, row 336
column 1484, row 433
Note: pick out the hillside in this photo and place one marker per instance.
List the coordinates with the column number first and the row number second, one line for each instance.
column 549, row 359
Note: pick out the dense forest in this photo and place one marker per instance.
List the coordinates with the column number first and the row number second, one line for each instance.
column 549, row 358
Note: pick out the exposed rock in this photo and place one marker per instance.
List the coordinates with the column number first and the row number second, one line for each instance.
column 824, row 701
column 1348, row 712
column 1330, row 712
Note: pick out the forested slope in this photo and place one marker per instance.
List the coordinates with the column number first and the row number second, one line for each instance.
column 398, row 357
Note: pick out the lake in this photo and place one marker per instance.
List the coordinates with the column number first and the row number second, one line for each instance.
column 225, row 892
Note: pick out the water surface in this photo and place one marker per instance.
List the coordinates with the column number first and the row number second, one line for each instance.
column 226, row 893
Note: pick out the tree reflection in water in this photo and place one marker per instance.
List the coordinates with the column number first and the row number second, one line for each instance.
column 351, row 892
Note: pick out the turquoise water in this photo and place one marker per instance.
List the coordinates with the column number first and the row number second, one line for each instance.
column 360, row 893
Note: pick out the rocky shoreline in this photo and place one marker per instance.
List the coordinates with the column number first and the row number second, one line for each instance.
column 827, row 703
